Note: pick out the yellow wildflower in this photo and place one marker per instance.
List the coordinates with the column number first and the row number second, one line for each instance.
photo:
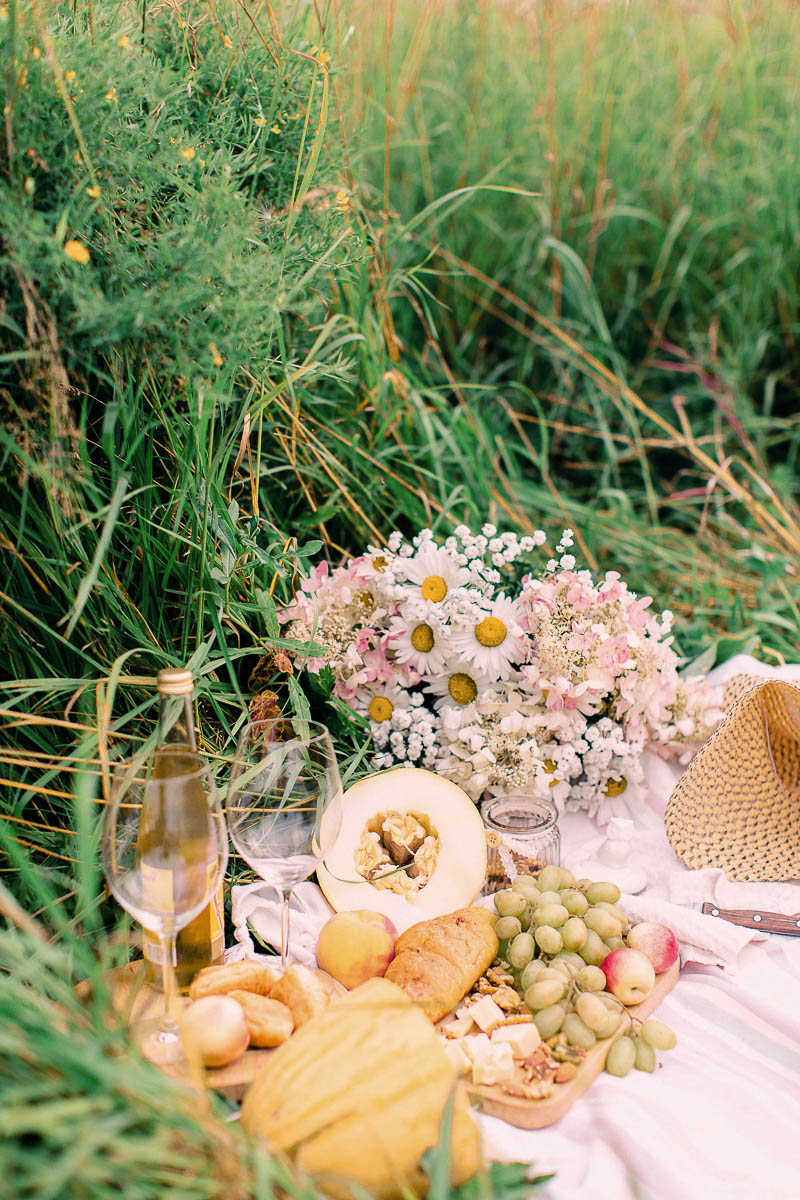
column 342, row 200
column 188, row 153
column 77, row 252
column 124, row 40
column 275, row 128
column 76, row 157
column 324, row 57
column 36, row 52
column 29, row 185
column 94, row 192
column 216, row 357
column 226, row 41
column 69, row 76
column 111, row 94
column 261, row 121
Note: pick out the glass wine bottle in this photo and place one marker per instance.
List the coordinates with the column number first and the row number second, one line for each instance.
column 200, row 943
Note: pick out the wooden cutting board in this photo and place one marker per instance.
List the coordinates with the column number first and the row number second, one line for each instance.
column 536, row 1114
column 136, row 1000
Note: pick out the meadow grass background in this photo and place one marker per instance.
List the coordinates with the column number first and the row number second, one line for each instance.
column 352, row 267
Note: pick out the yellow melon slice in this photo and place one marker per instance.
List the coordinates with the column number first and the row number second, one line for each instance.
column 412, row 846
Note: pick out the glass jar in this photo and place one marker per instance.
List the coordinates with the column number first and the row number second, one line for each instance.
column 521, row 837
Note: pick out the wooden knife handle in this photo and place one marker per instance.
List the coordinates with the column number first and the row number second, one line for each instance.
column 753, row 919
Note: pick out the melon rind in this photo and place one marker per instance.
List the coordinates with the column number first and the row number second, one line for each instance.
column 461, row 866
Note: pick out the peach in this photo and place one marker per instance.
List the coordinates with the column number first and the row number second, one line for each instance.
column 629, row 975
column 657, row 942
column 356, row 946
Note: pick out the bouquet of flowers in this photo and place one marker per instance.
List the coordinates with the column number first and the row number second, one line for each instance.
column 551, row 684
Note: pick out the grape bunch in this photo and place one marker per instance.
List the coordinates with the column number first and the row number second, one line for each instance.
column 554, row 933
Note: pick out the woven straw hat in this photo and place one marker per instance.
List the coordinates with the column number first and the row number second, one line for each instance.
column 738, row 804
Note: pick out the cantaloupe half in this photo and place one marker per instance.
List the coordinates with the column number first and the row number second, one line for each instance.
column 444, row 811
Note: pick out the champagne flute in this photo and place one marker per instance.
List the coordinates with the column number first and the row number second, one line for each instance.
column 284, row 803
column 165, row 849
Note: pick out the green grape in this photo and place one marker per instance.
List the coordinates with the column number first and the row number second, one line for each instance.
column 507, row 928
column 591, row 979
column 548, row 880
column 565, row 878
column 521, row 950
column 577, row 1033
column 549, row 1020
column 531, row 973
column 602, row 923
column 561, row 968
column 549, row 940
column 525, row 917
column 603, row 891
column 645, row 1057
column 621, row 1056
column 583, row 884
column 611, row 1001
column 615, row 911
column 612, row 1023
column 658, row 1035
column 548, row 898
column 544, row 993
column 591, row 1011
column 525, row 885
column 574, row 902
column 569, row 956
column 509, row 904
column 593, row 951
column 567, row 968
column 550, row 914
column 573, row 932
column 552, row 972
column 614, row 943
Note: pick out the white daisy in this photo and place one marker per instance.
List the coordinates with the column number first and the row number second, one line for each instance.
column 460, row 684
column 492, row 637
column 421, row 645
column 434, row 571
column 380, row 700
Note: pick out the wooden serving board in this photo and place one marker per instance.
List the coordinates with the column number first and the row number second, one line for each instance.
column 536, row 1114
column 136, row 1000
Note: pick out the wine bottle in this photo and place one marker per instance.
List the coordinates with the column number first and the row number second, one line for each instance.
column 200, row 943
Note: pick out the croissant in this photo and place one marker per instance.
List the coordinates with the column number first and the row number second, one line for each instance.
column 437, row 962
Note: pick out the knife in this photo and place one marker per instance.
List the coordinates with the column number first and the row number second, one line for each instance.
column 753, row 919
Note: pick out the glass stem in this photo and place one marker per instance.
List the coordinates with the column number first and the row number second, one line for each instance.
column 286, row 896
column 169, row 1024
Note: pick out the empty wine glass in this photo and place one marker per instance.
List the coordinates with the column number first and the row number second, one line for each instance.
column 284, row 803
column 165, row 849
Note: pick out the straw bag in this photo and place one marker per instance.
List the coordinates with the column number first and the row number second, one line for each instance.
column 737, row 806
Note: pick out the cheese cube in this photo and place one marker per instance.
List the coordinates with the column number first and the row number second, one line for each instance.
column 494, row 1065
column 458, row 1028
column 523, row 1038
column 474, row 1045
column 486, row 1014
column 458, row 1058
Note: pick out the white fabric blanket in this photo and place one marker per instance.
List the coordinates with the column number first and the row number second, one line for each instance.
column 719, row 1119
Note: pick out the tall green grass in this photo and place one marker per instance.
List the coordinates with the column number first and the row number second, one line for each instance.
column 347, row 268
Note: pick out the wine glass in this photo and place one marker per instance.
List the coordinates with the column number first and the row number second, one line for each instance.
column 284, row 803
column 165, row 849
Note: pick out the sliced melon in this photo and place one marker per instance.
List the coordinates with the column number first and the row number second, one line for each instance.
column 412, row 846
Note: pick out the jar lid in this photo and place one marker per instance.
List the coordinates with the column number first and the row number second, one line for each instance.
column 519, row 816
column 175, row 681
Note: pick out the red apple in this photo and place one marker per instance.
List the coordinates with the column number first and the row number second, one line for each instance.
column 629, row 975
column 356, row 946
column 657, row 942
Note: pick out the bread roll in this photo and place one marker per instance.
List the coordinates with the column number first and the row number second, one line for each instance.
column 270, row 1023
column 245, row 976
column 437, row 962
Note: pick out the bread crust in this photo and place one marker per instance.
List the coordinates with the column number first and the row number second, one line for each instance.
column 437, row 962
column 269, row 1021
